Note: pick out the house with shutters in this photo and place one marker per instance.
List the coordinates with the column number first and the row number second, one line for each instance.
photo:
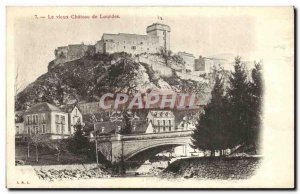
column 47, row 120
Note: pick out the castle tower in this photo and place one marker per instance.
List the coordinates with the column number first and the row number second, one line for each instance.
column 163, row 32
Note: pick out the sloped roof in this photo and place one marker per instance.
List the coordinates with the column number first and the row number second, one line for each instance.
column 111, row 127
column 108, row 126
column 68, row 108
column 43, row 107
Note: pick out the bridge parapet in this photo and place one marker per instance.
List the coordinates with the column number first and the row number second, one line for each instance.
column 119, row 137
column 117, row 147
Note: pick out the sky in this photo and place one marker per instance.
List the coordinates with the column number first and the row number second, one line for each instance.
column 253, row 34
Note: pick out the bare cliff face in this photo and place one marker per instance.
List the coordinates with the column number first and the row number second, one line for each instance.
column 88, row 78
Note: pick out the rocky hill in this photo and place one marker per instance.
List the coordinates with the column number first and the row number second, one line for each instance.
column 88, row 78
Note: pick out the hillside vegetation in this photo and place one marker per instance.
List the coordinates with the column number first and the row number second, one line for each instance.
column 88, row 78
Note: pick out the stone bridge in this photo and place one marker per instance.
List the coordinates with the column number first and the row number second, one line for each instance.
column 118, row 147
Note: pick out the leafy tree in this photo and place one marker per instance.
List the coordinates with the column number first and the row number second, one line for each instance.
column 127, row 127
column 36, row 139
column 212, row 129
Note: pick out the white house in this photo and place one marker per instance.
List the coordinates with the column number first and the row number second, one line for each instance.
column 161, row 120
column 46, row 119
column 74, row 116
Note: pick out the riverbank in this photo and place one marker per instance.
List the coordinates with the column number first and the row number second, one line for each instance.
column 213, row 168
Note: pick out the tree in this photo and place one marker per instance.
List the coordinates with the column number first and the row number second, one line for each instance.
column 212, row 129
column 127, row 126
column 256, row 92
column 238, row 95
column 36, row 139
column 79, row 141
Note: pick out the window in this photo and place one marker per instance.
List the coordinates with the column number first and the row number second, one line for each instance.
column 56, row 118
column 36, row 129
column 30, row 120
column 17, row 129
column 133, row 47
column 43, row 118
column 57, row 129
column 76, row 111
column 43, row 128
column 28, row 130
column 37, row 118
column 63, row 120
column 62, row 129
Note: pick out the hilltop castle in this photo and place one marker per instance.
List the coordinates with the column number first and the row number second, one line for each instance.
column 157, row 38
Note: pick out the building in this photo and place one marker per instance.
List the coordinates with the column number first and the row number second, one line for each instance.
column 71, row 52
column 129, row 43
column 119, row 116
column 74, row 116
column 189, row 61
column 114, row 127
column 157, row 38
column 161, row 120
column 161, row 31
column 187, row 124
column 19, row 126
column 89, row 107
column 46, row 119
column 74, row 51
column 205, row 64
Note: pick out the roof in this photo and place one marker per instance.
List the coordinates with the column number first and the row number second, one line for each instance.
column 43, row 107
column 108, row 126
column 119, row 116
column 111, row 127
column 68, row 108
column 161, row 113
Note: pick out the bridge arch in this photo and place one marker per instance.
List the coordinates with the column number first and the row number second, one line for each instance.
column 140, row 150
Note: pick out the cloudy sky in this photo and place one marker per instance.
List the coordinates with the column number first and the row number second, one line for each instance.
column 254, row 34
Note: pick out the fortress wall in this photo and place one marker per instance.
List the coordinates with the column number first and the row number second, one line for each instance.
column 130, row 43
column 157, row 64
column 189, row 76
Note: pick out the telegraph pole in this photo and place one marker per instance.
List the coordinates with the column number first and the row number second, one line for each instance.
column 95, row 132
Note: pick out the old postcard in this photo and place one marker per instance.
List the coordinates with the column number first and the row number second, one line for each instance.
column 150, row 97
